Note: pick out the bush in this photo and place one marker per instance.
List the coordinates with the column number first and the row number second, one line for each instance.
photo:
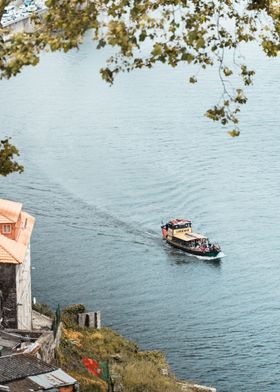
column 144, row 376
column 74, row 309
column 130, row 369
column 70, row 314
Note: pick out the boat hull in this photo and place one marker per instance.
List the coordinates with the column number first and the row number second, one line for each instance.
column 211, row 254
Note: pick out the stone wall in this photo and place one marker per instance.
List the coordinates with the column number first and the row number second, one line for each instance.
column 8, row 289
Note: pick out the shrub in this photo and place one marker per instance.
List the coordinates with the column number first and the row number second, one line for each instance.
column 74, row 309
column 144, row 376
column 70, row 314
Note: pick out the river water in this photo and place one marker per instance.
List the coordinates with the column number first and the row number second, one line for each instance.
column 104, row 166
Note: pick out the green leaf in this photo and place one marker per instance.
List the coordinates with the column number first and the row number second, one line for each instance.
column 193, row 80
column 234, row 133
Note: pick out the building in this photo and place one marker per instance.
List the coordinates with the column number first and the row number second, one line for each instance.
column 15, row 270
column 25, row 373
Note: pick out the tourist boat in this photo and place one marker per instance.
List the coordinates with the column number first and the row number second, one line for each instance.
column 178, row 233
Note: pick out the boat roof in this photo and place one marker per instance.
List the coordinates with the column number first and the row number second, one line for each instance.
column 190, row 236
column 179, row 221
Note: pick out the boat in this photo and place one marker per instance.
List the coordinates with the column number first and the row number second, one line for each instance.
column 178, row 233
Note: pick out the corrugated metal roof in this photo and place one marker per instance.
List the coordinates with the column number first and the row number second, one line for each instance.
column 17, row 366
column 57, row 378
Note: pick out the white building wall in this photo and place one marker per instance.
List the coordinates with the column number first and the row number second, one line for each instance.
column 24, row 296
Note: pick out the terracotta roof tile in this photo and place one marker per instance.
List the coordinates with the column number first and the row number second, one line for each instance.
column 6, row 257
column 11, row 250
column 14, row 251
column 4, row 219
column 9, row 210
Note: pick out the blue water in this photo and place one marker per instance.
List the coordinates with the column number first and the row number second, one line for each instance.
column 105, row 165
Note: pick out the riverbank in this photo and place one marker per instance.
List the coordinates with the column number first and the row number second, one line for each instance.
column 123, row 366
column 130, row 369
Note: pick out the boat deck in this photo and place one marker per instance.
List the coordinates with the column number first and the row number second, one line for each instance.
column 190, row 236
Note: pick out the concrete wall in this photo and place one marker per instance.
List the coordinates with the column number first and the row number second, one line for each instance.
column 23, row 291
column 8, row 289
column 90, row 320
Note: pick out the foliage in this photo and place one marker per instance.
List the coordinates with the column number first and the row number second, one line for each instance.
column 43, row 309
column 8, row 152
column 146, row 32
column 138, row 371
column 144, row 376
column 70, row 314
column 74, row 309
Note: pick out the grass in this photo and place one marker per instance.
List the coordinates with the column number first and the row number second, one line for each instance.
column 142, row 375
column 135, row 370
column 131, row 370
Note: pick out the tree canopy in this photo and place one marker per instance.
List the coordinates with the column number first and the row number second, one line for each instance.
column 147, row 32
column 7, row 154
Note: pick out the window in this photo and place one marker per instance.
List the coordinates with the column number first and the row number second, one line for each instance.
column 6, row 229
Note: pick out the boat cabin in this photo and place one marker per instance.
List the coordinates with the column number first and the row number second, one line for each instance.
column 177, row 226
column 180, row 230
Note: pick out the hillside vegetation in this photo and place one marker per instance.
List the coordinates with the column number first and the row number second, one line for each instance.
column 131, row 370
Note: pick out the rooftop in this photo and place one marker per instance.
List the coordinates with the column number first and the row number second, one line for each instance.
column 179, row 221
column 24, row 373
column 13, row 251
column 19, row 341
column 190, row 236
column 9, row 211
column 17, row 366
